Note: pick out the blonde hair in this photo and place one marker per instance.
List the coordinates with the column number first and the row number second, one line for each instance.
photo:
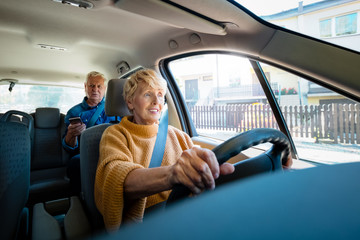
column 95, row 74
column 148, row 76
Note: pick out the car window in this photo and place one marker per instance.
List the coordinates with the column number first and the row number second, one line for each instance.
column 223, row 95
column 323, row 124
column 224, row 98
column 27, row 98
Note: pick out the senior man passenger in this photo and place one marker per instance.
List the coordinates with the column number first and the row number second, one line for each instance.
column 124, row 185
column 91, row 112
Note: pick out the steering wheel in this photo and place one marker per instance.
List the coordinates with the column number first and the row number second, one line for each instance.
column 271, row 160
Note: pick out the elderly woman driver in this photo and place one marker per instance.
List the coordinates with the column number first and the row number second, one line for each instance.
column 124, row 185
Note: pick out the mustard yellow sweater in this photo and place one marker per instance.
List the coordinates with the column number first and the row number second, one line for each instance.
column 123, row 148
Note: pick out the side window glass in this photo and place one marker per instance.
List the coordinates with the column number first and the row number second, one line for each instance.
column 223, row 94
column 323, row 124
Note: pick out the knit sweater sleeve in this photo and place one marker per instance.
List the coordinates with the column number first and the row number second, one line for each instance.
column 115, row 162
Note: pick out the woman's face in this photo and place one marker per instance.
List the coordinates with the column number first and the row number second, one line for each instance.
column 147, row 104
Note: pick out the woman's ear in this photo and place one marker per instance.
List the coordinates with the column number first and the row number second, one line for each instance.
column 130, row 105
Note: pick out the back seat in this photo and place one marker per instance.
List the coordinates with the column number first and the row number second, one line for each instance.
column 13, row 118
column 55, row 214
column 48, row 179
column 15, row 151
column 20, row 117
column 75, row 218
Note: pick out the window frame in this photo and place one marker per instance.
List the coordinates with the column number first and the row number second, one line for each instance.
column 184, row 113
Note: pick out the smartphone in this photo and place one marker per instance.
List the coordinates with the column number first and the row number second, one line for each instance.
column 75, row 120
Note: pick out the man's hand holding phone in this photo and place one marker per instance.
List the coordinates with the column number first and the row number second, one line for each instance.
column 76, row 126
column 75, row 129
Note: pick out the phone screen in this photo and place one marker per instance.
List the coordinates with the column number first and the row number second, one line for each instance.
column 75, row 120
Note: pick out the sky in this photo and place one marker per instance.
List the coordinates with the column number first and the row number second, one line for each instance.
column 267, row 7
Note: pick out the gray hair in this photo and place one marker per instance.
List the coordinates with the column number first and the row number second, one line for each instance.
column 148, row 76
column 95, row 74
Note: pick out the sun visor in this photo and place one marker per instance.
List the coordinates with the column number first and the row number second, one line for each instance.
column 180, row 17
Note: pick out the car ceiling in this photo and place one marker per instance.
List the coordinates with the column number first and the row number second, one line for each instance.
column 142, row 32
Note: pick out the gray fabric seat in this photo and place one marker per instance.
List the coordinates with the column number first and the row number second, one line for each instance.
column 48, row 179
column 20, row 117
column 89, row 149
column 15, row 151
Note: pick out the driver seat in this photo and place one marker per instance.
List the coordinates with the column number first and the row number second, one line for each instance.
column 115, row 105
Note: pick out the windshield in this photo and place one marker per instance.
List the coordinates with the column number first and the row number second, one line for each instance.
column 334, row 21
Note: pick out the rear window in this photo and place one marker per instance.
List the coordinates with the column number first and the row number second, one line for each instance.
column 27, row 98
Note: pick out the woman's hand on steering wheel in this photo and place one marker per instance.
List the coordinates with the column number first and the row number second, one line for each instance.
column 278, row 157
column 197, row 169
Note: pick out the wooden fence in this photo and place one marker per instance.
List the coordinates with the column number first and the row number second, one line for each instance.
column 336, row 122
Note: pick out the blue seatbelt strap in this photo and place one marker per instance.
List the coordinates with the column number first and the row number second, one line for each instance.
column 159, row 147
column 96, row 115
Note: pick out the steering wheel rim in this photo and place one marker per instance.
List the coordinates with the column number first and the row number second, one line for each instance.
column 276, row 155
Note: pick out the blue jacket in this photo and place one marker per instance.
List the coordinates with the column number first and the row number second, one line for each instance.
column 85, row 112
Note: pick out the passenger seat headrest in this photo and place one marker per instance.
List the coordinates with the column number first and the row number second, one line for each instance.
column 115, row 104
column 47, row 117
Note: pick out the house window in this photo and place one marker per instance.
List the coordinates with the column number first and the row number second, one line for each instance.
column 346, row 24
column 191, row 90
column 208, row 78
column 325, row 28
